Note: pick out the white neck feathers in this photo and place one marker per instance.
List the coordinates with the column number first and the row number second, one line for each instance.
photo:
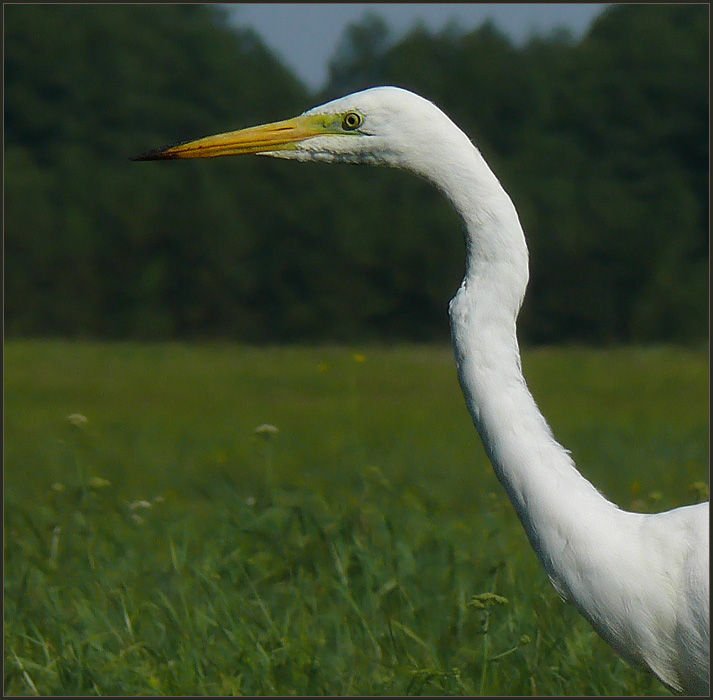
column 538, row 474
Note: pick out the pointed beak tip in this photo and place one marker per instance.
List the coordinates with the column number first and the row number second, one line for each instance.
column 157, row 154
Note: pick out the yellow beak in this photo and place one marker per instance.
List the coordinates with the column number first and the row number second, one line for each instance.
column 278, row 136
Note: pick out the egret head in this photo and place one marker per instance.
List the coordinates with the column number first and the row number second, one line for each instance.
column 384, row 125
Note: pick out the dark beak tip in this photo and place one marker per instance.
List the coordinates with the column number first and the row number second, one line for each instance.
column 163, row 153
column 158, row 154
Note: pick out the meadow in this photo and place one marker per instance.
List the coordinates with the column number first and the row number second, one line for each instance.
column 215, row 519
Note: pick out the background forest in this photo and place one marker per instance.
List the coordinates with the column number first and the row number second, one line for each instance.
column 602, row 143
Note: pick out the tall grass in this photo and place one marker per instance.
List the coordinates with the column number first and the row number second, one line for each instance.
column 156, row 544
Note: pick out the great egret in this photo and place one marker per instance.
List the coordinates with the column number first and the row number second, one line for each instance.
column 641, row 580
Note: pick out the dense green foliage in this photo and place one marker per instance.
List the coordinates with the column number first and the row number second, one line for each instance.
column 162, row 547
column 602, row 142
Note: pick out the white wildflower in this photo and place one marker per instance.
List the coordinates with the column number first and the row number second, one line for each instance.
column 266, row 429
column 77, row 420
column 139, row 504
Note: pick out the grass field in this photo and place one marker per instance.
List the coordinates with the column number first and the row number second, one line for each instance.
column 155, row 544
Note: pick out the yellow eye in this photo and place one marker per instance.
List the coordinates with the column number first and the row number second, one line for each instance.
column 351, row 121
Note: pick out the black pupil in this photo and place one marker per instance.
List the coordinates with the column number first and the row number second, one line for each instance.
column 352, row 121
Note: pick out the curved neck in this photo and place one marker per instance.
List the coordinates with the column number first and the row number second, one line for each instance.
column 538, row 474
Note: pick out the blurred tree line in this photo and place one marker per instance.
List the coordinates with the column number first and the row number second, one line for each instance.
column 602, row 143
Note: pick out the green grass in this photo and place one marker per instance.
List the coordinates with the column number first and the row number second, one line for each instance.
column 162, row 547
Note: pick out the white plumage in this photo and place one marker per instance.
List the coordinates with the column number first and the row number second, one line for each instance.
column 640, row 580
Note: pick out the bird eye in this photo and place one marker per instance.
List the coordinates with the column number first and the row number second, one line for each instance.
column 352, row 120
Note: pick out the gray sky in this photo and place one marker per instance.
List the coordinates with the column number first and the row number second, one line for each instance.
column 305, row 35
